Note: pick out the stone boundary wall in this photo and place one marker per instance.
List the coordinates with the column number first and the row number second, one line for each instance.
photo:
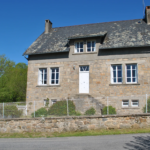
column 64, row 124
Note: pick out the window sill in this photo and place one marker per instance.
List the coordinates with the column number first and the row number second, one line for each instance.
column 48, row 86
column 84, row 53
column 124, row 84
column 130, row 107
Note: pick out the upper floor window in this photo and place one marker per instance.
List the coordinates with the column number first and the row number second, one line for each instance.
column 42, row 76
column 54, row 76
column 90, row 46
column 79, row 47
column 131, row 73
column 116, row 74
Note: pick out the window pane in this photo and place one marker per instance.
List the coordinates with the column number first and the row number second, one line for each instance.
column 93, row 44
column 119, row 67
column 128, row 73
column 57, row 69
column 88, row 44
column 119, row 73
column 114, row 73
column 84, row 68
column 114, row 79
column 45, row 76
column 81, row 45
column 133, row 79
column 114, row 67
column 133, row 73
column 53, row 76
column 77, row 45
column 45, row 82
column 52, row 81
column 93, row 49
column 133, row 66
column 57, row 81
column 45, row 70
column 53, row 70
column 81, row 50
column 128, row 66
column 119, row 79
column 57, row 75
column 78, row 50
column 88, row 49
column 128, row 79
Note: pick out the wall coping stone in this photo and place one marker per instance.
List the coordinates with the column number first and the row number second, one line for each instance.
column 78, row 117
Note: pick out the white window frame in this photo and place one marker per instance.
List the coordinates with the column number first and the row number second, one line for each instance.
column 91, row 46
column 125, row 102
column 55, row 76
column 41, row 81
column 135, row 102
column 131, row 73
column 112, row 81
column 53, row 101
column 75, row 47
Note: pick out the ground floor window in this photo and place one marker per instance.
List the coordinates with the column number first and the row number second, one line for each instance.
column 135, row 103
column 53, row 101
column 125, row 103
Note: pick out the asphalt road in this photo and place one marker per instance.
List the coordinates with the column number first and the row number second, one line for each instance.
column 107, row 142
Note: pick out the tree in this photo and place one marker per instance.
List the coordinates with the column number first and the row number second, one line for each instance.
column 13, row 79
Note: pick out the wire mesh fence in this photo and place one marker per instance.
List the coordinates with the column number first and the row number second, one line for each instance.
column 112, row 105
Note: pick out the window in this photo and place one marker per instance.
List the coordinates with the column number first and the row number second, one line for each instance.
column 42, row 76
column 54, row 101
column 135, row 103
column 131, row 73
column 46, row 102
column 90, row 46
column 84, row 68
column 54, row 76
column 116, row 74
column 79, row 47
column 125, row 103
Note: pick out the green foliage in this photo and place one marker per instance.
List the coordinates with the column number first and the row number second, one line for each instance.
column 47, row 102
column 13, row 79
column 11, row 110
column 90, row 111
column 77, row 113
column 60, row 108
column 148, row 106
column 111, row 111
column 39, row 112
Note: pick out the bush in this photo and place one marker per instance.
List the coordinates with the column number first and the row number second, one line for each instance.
column 39, row 112
column 90, row 111
column 148, row 106
column 12, row 111
column 111, row 111
column 60, row 108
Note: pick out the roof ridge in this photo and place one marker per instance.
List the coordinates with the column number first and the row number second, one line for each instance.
column 97, row 23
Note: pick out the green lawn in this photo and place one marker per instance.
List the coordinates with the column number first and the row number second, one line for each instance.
column 70, row 134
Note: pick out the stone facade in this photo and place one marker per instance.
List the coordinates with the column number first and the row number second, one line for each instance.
column 101, row 91
column 74, row 123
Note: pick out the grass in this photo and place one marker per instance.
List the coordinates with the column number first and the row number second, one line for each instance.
column 71, row 134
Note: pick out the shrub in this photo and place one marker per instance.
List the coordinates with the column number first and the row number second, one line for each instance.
column 60, row 108
column 148, row 106
column 111, row 111
column 12, row 111
column 39, row 112
column 90, row 111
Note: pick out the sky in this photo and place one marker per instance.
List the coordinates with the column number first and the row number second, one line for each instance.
column 23, row 21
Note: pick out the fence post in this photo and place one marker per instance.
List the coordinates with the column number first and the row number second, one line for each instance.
column 146, row 103
column 34, row 109
column 3, row 109
column 67, row 108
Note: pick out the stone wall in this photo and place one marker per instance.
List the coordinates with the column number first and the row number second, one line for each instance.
column 64, row 124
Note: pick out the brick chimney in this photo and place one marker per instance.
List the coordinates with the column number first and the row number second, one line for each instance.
column 48, row 26
column 147, row 15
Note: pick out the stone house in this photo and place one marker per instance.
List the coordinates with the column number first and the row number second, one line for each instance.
column 92, row 63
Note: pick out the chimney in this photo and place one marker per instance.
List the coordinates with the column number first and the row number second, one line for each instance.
column 48, row 26
column 147, row 14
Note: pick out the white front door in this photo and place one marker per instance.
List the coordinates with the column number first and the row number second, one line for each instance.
column 84, row 79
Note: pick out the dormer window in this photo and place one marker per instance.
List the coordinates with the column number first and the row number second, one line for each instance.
column 79, row 47
column 90, row 46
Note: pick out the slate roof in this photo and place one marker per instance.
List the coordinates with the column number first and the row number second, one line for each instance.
column 119, row 34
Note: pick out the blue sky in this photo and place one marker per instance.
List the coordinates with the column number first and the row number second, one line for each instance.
column 22, row 21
